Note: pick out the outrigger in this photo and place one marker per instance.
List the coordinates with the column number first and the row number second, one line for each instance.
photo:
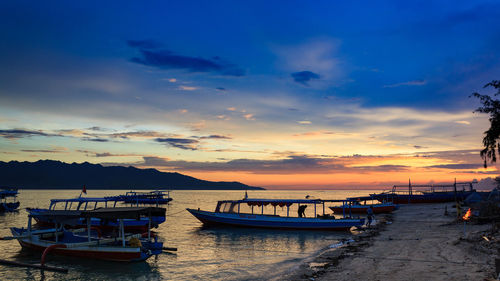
column 89, row 243
column 241, row 213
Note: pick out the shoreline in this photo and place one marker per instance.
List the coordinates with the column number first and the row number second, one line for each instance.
column 416, row 242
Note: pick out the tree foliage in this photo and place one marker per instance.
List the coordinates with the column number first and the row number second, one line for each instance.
column 490, row 106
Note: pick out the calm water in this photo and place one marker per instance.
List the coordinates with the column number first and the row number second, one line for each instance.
column 203, row 253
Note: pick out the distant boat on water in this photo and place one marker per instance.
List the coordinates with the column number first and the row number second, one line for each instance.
column 157, row 197
column 230, row 213
column 8, row 200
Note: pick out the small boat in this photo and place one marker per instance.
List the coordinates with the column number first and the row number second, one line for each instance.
column 8, row 200
column 426, row 194
column 91, row 203
column 240, row 213
column 156, row 197
column 359, row 205
column 87, row 243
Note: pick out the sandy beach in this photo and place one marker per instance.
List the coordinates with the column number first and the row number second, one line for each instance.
column 417, row 242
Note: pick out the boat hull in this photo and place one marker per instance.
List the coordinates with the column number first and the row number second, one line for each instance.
column 273, row 222
column 362, row 209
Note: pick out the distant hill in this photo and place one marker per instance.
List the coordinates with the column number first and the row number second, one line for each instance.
column 49, row 174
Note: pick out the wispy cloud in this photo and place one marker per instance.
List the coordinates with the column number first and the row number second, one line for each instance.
column 187, row 88
column 408, row 83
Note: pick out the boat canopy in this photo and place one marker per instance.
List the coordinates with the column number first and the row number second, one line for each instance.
column 273, row 202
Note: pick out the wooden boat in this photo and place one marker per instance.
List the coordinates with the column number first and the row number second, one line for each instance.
column 156, row 197
column 360, row 205
column 232, row 213
column 87, row 243
column 91, row 203
column 8, row 200
column 430, row 194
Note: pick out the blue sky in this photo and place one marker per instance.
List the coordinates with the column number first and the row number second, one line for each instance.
column 201, row 85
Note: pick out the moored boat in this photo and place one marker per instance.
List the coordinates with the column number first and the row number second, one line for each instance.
column 91, row 203
column 8, row 200
column 234, row 213
column 156, row 197
column 359, row 205
column 426, row 193
column 88, row 243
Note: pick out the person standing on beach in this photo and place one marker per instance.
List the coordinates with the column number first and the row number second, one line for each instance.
column 369, row 216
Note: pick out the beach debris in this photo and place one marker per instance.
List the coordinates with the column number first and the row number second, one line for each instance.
column 486, row 238
column 388, row 222
column 467, row 215
column 341, row 243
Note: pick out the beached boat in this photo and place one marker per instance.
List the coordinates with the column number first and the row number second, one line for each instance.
column 426, row 193
column 360, row 205
column 147, row 198
column 87, row 243
column 91, row 203
column 234, row 213
column 8, row 200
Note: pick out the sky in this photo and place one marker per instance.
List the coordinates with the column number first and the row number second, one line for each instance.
column 276, row 94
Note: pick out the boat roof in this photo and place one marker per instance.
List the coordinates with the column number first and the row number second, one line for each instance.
column 85, row 199
column 276, row 201
column 103, row 213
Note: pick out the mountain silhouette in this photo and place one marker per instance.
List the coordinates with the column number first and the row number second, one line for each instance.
column 50, row 174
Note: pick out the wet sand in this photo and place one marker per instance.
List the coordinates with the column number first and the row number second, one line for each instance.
column 417, row 242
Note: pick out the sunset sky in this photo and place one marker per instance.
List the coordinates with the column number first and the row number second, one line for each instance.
column 277, row 94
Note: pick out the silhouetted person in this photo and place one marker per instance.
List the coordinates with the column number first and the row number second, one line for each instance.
column 302, row 210
column 369, row 216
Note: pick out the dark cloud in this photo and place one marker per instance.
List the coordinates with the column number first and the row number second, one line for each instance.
column 144, row 44
column 21, row 133
column 220, row 89
column 126, row 135
column 182, row 143
column 303, row 77
column 166, row 59
column 216, row 137
column 96, row 128
column 95, row 139
column 42, row 150
column 457, row 166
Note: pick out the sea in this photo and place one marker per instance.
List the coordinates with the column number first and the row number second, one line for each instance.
column 203, row 253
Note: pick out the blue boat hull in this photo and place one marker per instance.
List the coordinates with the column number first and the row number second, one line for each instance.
column 274, row 222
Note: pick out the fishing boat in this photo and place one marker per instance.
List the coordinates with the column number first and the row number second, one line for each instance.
column 426, row 193
column 92, row 203
column 242, row 213
column 8, row 200
column 156, row 197
column 360, row 205
column 87, row 243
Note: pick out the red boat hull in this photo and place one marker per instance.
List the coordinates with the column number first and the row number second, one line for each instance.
column 101, row 255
